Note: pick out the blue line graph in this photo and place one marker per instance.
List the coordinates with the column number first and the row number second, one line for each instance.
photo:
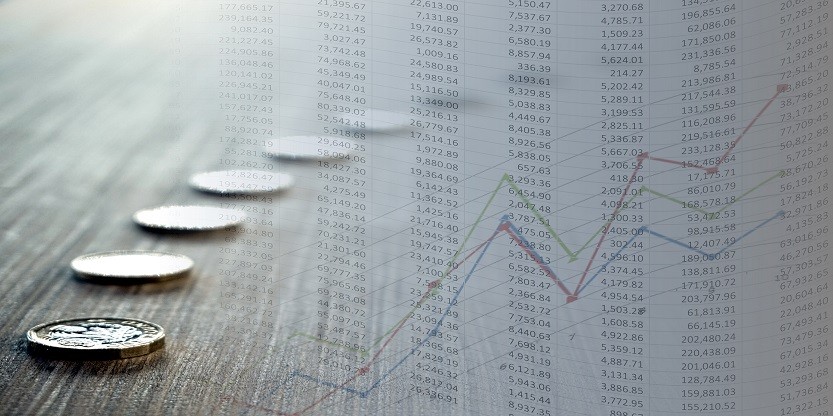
column 708, row 256
column 506, row 225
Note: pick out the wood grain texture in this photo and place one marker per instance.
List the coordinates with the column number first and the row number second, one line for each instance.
column 94, row 126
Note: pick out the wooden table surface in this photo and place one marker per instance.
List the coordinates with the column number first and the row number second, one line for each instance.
column 94, row 126
column 107, row 107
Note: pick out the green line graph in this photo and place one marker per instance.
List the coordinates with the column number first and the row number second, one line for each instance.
column 506, row 180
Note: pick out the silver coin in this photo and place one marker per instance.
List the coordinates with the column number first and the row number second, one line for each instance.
column 125, row 266
column 188, row 218
column 96, row 338
column 241, row 181
column 311, row 147
column 374, row 120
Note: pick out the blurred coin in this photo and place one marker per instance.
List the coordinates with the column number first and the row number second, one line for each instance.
column 311, row 147
column 96, row 338
column 124, row 266
column 374, row 120
column 188, row 218
column 241, row 181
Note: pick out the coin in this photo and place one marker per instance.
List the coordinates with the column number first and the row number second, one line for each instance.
column 241, row 181
column 124, row 266
column 374, row 120
column 188, row 218
column 96, row 338
column 311, row 147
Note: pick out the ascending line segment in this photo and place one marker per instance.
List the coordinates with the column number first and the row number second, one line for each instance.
column 707, row 256
column 509, row 228
column 571, row 297
column 646, row 156
column 508, row 180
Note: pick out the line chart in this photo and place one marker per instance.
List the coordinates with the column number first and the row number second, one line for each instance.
column 527, row 208
column 506, row 226
column 573, row 254
column 781, row 88
column 619, row 207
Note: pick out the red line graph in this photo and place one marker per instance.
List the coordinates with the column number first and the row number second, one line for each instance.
column 571, row 296
column 645, row 156
column 536, row 259
column 366, row 368
column 505, row 227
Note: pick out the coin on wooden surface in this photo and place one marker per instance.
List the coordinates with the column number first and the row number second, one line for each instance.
column 96, row 338
column 131, row 266
column 241, row 181
column 311, row 147
column 188, row 218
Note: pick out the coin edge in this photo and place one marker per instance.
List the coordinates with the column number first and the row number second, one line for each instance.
column 38, row 348
column 135, row 278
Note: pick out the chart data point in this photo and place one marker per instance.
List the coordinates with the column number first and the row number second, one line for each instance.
column 634, row 168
